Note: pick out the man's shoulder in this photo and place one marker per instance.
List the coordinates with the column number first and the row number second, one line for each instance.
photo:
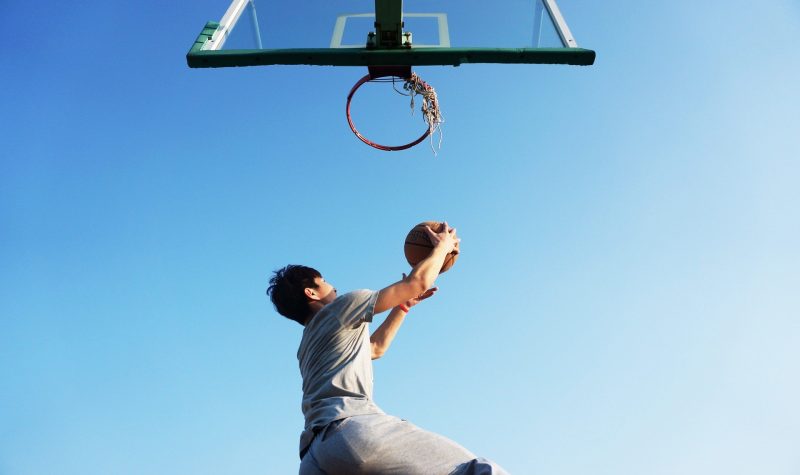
column 360, row 294
column 347, row 312
column 354, row 307
column 351, row 300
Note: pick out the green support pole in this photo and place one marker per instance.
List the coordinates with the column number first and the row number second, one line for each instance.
column 389, row 23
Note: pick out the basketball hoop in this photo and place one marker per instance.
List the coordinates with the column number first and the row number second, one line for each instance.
column 415, row 86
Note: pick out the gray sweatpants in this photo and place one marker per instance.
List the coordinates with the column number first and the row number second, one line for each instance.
column 383, row 444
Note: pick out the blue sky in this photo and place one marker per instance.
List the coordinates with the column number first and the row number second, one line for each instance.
column 626, row 300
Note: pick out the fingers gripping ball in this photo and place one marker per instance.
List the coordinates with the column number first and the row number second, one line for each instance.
column 418, row 245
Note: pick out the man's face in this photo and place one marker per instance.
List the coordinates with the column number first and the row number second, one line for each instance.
column 325, row 292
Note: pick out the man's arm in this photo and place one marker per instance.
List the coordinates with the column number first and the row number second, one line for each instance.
column 423, row 275
column 382, row 338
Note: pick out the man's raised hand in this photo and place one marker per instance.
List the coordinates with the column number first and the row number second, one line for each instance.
column 446, row 238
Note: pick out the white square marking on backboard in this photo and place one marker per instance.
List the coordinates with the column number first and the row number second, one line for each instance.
column 441, row 20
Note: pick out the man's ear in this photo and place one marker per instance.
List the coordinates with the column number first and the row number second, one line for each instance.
column 311, row 293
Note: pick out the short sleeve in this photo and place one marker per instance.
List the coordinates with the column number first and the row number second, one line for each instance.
column 357, row 307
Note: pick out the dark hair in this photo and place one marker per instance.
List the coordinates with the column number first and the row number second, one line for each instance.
column 287, row 291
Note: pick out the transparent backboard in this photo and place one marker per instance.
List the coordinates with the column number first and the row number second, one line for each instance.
column 387, row 32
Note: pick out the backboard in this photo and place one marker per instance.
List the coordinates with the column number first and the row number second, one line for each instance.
column 387, row 32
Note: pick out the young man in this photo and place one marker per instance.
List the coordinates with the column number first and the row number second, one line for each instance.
column 345, row 431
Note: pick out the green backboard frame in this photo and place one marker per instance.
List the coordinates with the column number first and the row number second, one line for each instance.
column 388, row 44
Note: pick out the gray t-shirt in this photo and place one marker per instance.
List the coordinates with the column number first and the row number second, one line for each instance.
column 336, row 363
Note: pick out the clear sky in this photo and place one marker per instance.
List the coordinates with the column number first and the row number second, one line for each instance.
column 626, row 301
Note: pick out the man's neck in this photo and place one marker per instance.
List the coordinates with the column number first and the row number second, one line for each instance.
column 315, row 308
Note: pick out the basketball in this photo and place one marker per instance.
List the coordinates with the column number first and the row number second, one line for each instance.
column 418, row 245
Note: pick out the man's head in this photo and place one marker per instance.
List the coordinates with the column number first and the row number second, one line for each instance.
column 298, row 292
